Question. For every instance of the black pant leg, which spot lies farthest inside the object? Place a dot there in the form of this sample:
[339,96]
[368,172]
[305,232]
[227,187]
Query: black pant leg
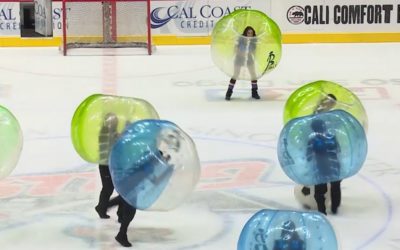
[319,195]
[115,201]
[336,195]
[108,187]
[127,214]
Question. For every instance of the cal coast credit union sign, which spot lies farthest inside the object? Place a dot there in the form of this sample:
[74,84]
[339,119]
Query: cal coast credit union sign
[9,19]
[195,17]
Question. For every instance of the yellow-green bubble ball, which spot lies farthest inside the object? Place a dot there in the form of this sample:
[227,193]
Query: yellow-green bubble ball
[246,57]
[317,96]
[11,142]
[99,120]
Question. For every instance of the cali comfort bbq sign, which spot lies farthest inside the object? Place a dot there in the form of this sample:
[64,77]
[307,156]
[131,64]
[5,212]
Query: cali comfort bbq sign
[336,16]
[344,14]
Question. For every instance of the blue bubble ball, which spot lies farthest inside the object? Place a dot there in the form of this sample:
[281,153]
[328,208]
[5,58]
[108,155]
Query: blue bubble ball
[154,165]
[322,148]
[282,229]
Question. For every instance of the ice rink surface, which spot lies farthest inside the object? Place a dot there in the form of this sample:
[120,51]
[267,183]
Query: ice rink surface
[48,202]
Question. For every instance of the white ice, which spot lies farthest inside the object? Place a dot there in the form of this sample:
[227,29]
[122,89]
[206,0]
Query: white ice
[48,202]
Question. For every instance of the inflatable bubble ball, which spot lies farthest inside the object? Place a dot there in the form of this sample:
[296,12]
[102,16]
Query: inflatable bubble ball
[322,148]
[100,119]
[322,96]
[11,142]
[281,230]
[246,44]
[154,165]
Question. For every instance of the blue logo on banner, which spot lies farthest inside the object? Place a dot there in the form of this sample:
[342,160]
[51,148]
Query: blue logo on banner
[156,20]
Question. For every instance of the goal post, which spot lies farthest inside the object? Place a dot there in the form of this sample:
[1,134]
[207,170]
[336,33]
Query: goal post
[106,24]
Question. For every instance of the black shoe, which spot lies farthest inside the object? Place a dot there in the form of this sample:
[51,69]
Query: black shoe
[334,210]
[123,240]
[102,214]
[254,94]
[228,94]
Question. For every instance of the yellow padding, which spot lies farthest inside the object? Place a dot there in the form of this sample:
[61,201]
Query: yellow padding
[29,42]
[204,40]
[294,38]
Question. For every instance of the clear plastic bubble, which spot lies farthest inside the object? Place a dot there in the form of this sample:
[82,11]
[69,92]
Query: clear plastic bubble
[245,56]
[281,230]
[99,120]
[11,142]
[322,96]
[322,148]
[154,165]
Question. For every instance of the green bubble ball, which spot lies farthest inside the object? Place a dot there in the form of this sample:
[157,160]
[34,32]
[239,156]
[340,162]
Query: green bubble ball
[11,142]
[90,127]
[246,57]
[317,96]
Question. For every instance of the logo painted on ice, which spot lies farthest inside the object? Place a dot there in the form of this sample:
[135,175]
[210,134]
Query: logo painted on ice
[295,14]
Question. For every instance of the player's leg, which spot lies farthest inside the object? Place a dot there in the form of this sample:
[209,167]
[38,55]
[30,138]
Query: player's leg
[127,214]
[254,86]
[319,195]
[106,191]
[336,196]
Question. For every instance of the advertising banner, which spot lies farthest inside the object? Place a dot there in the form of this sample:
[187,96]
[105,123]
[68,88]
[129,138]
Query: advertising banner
[337,16]
[9,19]
[299,20]
[195,17]
[43,17]
[57,18]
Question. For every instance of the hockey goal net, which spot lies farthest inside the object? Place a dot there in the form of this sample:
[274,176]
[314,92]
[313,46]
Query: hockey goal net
[106,24]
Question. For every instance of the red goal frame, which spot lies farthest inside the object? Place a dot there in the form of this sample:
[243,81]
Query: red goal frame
[113,28]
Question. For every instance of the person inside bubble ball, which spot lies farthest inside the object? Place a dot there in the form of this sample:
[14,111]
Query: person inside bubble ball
[153,173]
[168,145]
[126,212]
[245,49]
[107,137]
[289,238]
[326,104]
[323,148]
